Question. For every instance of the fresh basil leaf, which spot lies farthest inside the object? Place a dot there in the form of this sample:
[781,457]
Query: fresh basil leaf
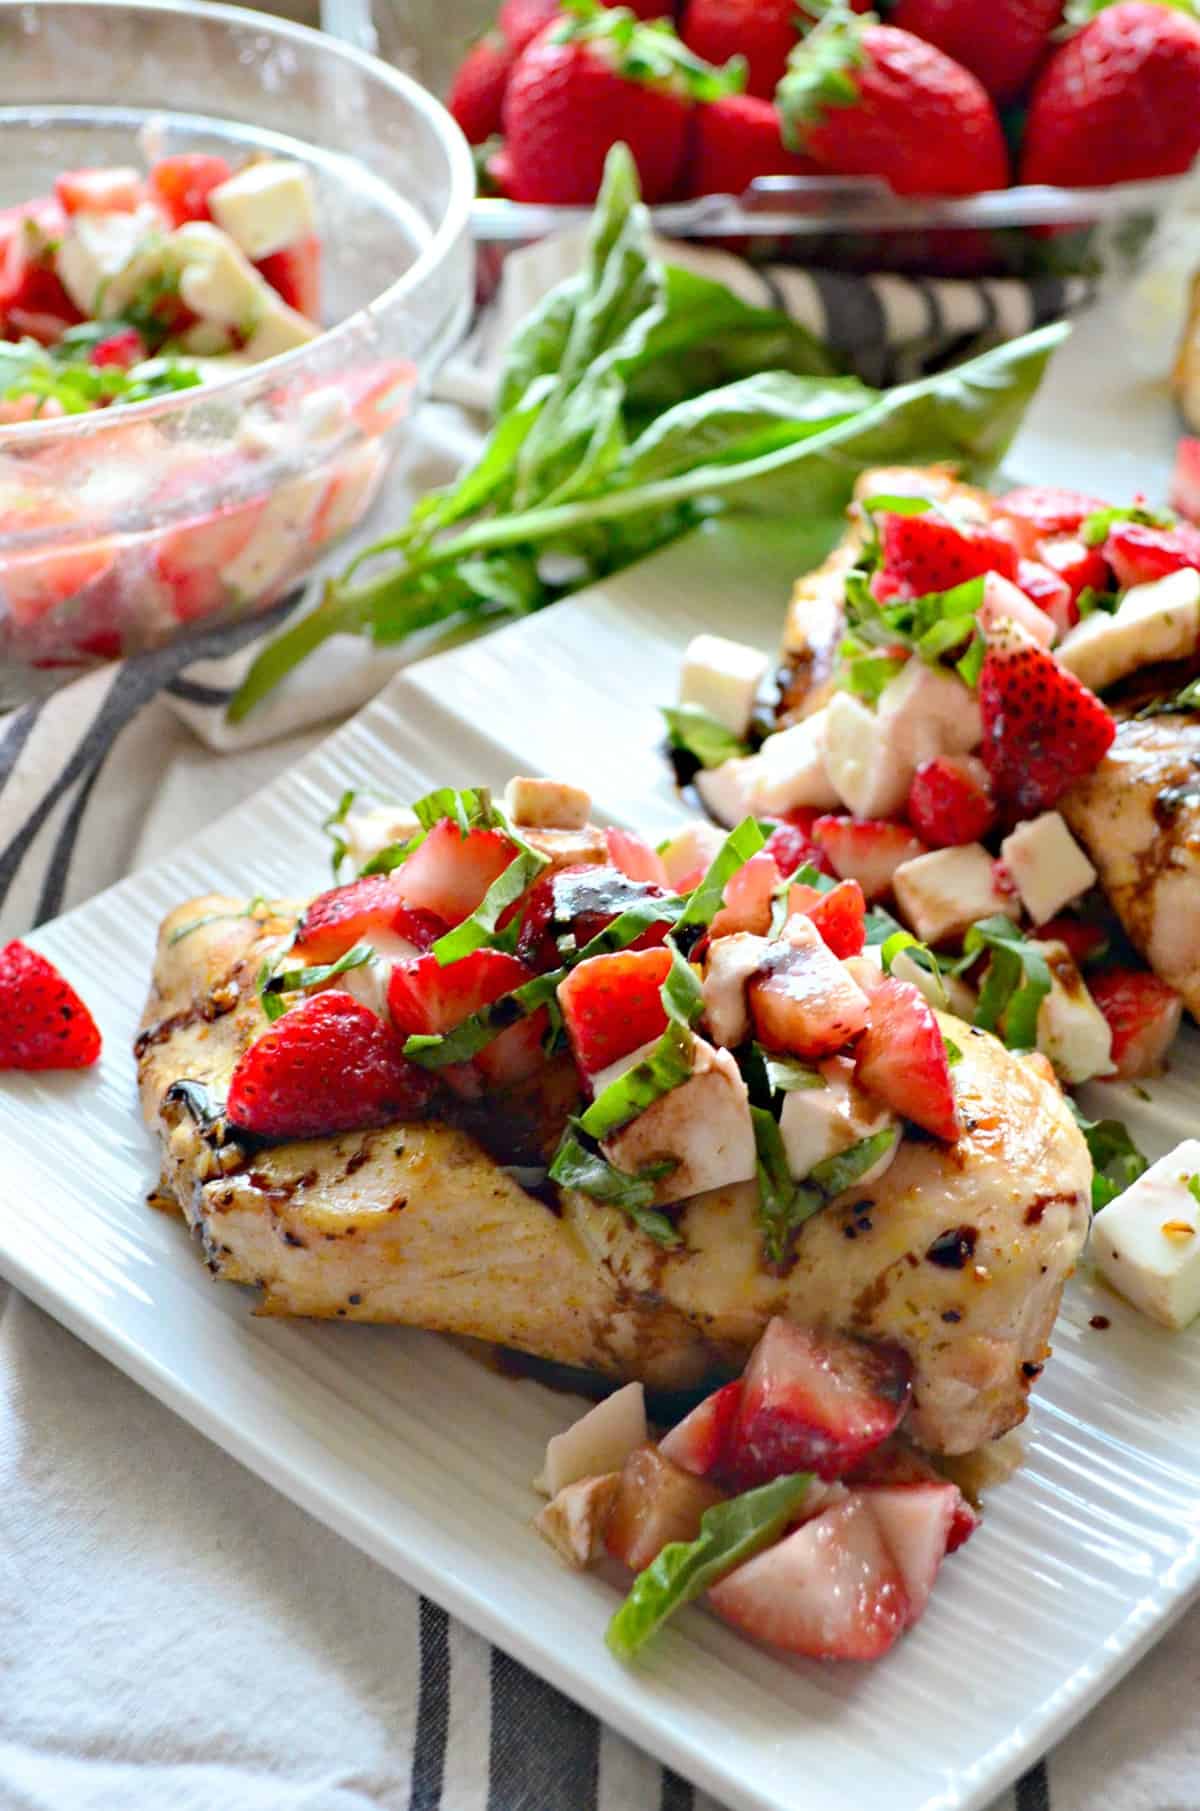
[903,941]
[665,1067]
[577,1166]
[834,1175]
[783,1204]
[880,925]
[296,980]
[953,1053]
[1016,983]
[788,1075]
[970,665]
[1090,600]
[1187,699]
[741,420]
[730,1533]
[705,900]
[477,930]
[332,823]
[628,927]
[435,1050]
[892,505]
[682,994]
[1116,1160]
[691,729]
[470,807]
[1096,528]
[197,924]
[866,675]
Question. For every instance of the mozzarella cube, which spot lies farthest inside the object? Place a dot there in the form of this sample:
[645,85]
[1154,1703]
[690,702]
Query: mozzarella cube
[576,1520]
[704,1125]
[927,711]
[1160,621]
[792,769]
[817,1123]
[692,851]
[1047,866]
[730,963]
[365,833]
[279,534]
[104,258]
[278,329]
[352,488]
[600,1441]
[369,981]
[727,791]
[868,775]
[265,207]
[1071,1029]
[1147,1241]
[547,804]
[1004,601]
[217,282]
[942,893]
[722,677]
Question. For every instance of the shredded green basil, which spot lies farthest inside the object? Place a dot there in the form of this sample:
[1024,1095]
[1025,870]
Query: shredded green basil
[578,1165]
[695,733]
[1116,1160]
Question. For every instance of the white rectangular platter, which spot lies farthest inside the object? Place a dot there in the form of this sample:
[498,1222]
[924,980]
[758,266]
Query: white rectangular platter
[408,1447]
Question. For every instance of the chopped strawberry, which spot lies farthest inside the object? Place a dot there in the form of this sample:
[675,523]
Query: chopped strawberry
[831,1590]
[700,1443]
[1139,554]
[927,553]
[181,185]
[791,843]
[1050,592]
[815,1401]
[1185,481]
[1081,568]
[33,301]
[449,873]
[748,895]
[99,191]
[425,996]
[336,920]
[950,801]
[38,582]
[896,1464]
[917,1524]
[1052,511]
[1085,941]
[43,1022]
[902,1060]
[328,1065]
[191,558]
[1042,729]
[839,915]
[1143,1015]
[583,900]
[613,1004]
[802,999]
[868,850]
[634,857]
[657,1503]
[123,349]
[295,275]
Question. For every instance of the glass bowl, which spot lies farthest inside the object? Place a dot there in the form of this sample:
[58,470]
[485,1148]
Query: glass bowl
[122,528]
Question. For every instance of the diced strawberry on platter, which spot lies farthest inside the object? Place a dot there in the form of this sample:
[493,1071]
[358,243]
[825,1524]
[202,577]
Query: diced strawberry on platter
[1081,568]
[657,1503]
[450,873]
[634,857]
[1139,554]
[181,185]
[926,552]
[1085,940]
[295,275]
[839,915]
[1050,592]
[700,1443]
[791,843]
[917,1523]
[1143,1014]
[950,801]
[427,996]
[115,191]
[1042,729]
[802,999]
[831,1590]
[1051,510]
[815,1400]
[898,1465]
[613,1004]
[43,1022]
[344,916]
[584,900]
[868,850]
[902,1060]
[1184,495]
[748,897]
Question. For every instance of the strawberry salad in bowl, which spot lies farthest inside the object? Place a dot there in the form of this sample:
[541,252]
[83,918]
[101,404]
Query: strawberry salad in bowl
[986,718]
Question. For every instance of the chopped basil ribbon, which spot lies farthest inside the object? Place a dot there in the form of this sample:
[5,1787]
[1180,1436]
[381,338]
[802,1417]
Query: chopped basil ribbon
[1193,1186]
[807,875]
[1095,529]
[1116,1160]
[730,1533]
[435,1050]
[1186,700]
[1017,980]
[833,1175]
[665,1067]
[682,994]
[198,924]
[332,824]
[577,1166]
[470,807]
[691,730]
[901,941]
[706,899]
[970,665]
[783,1204]
[272,986]
[866,674]
[787,1075]
[478,929]
[953,1053]
[898,506]
[932,625]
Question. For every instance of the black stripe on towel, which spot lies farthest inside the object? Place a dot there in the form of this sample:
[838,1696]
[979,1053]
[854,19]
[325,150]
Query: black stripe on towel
[1032,1791]
[677,1794]
[19,730]
[545,1751]
[433,1710]
[855,322]
[190,691]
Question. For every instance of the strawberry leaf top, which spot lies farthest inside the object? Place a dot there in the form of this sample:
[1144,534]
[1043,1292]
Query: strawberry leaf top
[649,52]
[821,74]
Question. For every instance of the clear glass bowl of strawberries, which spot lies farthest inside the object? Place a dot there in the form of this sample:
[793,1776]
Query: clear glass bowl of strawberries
[959,138]
[232,253]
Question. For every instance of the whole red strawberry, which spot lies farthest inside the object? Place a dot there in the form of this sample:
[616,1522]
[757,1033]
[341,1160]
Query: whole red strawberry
[328,1065]
[520,21]
[1119,102]
[868,100]
[43,1022]
[1000,41]
[596,78]
[477,92]
[1042,730]
[734,139]
[926,553]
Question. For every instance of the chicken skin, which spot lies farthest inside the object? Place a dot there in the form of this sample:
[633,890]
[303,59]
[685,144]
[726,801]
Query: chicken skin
[958,1253]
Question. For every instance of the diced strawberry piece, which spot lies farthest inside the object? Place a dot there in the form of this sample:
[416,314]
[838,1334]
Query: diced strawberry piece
[831,1590]
[1081,568]
[1139,554]
[99,191]
[902,1060]
[1085,941]
[1042,729]
[1184,494]
[791,844]
[33,584]
[815,1401]
[950,801]
[1143,1015]
[748,896]
[700,1443]
[181,185]
[43,1022]
[868,850]
[583,900]
[897,1464]
[839,915]
[613,1004]
[450,873]
[916,1521]
[802,999]
[191,559]
[340,918]
[657,1503]
[928,553]
[328,1065]
[32,299]
[1050,592]
[1051,510]
[425,996]
[295,275]
[516,1054]
[635,857]
[124,348]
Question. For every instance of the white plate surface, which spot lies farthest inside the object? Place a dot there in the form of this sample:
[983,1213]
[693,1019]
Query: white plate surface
[409,1448]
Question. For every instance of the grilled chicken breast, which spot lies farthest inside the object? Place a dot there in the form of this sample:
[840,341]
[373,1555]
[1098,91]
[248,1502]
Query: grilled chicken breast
[959,1252]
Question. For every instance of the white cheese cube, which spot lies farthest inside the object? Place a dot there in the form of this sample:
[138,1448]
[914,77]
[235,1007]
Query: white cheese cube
[791,769]
[279,534]
[704,1125]
[265,207]
[1147,1241]
[692,850]
[576,1520]
[1160,621]
[351,491]
[219,284]
[722,677]
[730,963]
[869,777]
[727,791]
[366,832]
[97,253]
[941,893]
[370,980]
[817,1123]
[547,804]
[1002,600]
[1047,866]
[927,711]
[598,1442]
[1071,1029]
[278,329]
